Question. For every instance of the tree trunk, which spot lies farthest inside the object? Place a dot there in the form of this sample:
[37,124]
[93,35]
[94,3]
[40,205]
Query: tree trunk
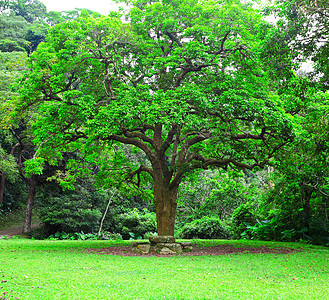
[29,206]
[165,200]
[2,186]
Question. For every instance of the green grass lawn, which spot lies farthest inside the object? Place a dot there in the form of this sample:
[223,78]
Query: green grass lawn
[60,270]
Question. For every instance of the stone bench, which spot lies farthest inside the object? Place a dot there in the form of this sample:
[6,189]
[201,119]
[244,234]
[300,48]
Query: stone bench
[161,245]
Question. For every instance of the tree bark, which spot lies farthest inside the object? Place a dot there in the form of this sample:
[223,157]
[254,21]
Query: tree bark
[165,200]
[2,186]
[32,182]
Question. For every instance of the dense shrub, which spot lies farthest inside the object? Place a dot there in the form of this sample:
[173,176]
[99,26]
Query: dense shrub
[204,228]
[68,213]
[266,230]
[242,217]
[280,227]
[135,223]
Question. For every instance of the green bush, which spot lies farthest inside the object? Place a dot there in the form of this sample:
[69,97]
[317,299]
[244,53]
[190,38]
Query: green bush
[280,227]
[242,217]
[68,213]
[204,228]
[266,230]
[135,223]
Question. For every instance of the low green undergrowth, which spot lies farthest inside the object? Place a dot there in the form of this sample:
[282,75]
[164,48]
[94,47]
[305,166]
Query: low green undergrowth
[61,270]
[85,236]
[204,228]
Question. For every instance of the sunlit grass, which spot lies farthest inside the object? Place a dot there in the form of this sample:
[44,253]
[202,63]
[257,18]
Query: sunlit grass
[60,270]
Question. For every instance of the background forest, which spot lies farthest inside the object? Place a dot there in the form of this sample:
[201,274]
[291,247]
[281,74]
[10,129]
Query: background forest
[262,169]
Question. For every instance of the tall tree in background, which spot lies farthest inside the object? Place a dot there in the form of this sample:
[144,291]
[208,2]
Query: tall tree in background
[301,35]
[304,25]
[22,29]
[23,25]
[12,34]
[30,10]
[180,83]
[12,64]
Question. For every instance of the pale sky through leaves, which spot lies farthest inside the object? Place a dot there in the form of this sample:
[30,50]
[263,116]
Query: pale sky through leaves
[101,6]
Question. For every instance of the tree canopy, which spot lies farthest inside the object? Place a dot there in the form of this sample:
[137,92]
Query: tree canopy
[181,83]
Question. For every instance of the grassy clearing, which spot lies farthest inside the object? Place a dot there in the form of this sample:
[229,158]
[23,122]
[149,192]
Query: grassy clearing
[59,270]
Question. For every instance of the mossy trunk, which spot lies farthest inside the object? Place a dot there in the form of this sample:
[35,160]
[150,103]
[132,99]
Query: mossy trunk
[165,200]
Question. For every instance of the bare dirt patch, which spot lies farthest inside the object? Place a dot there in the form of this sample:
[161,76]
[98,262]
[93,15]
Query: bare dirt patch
[197,251]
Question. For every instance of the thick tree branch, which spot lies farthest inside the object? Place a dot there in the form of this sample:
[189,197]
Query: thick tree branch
[135,142]
[141,169]
[245,136]
[168,140]
[139,135]
[185,148]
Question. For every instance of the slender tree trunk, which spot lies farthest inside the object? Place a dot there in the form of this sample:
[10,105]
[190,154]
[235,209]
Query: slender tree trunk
[29,206]
[2,186]
[165,199]
[104,215]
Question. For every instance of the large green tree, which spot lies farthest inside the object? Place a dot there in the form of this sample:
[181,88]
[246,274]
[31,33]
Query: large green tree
[180,84]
